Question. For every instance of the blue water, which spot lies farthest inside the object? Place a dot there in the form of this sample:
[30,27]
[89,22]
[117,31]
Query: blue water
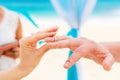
[45,8]
[40,7]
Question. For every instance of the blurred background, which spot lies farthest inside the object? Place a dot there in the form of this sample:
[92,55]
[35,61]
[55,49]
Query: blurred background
[102,25]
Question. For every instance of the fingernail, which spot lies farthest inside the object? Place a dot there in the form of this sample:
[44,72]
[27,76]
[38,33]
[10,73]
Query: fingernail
[107,66]
[67,64]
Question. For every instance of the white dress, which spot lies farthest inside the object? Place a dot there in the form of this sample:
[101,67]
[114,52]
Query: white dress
[8,28]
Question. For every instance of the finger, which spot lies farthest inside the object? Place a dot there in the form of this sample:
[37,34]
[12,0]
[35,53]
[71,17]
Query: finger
[42,50]
[108,62]
[1,52]
[43,35]
[78,53]
[32,40]
[6,47]
[59,44]
[56,38]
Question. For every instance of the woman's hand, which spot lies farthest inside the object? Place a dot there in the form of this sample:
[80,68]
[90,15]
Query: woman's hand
[30,55]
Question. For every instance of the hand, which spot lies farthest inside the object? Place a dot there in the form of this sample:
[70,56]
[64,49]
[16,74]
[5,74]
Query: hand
[29,54]
[12,53]
[10,50]
[82,47]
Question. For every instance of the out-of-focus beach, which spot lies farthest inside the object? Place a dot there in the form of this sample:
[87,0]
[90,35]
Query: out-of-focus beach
[51,66]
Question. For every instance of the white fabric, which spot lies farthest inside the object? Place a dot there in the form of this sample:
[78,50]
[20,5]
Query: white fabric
[6,63]
[8,27]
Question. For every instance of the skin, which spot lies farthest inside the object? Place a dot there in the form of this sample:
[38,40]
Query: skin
[30,56]
[101,53]
[1,14]
[19,30]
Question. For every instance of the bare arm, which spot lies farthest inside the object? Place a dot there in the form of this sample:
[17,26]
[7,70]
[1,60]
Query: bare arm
[15,73]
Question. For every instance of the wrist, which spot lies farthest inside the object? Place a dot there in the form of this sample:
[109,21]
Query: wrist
[23,70]
[16,73]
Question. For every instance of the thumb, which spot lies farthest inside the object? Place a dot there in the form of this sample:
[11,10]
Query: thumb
[108,62]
